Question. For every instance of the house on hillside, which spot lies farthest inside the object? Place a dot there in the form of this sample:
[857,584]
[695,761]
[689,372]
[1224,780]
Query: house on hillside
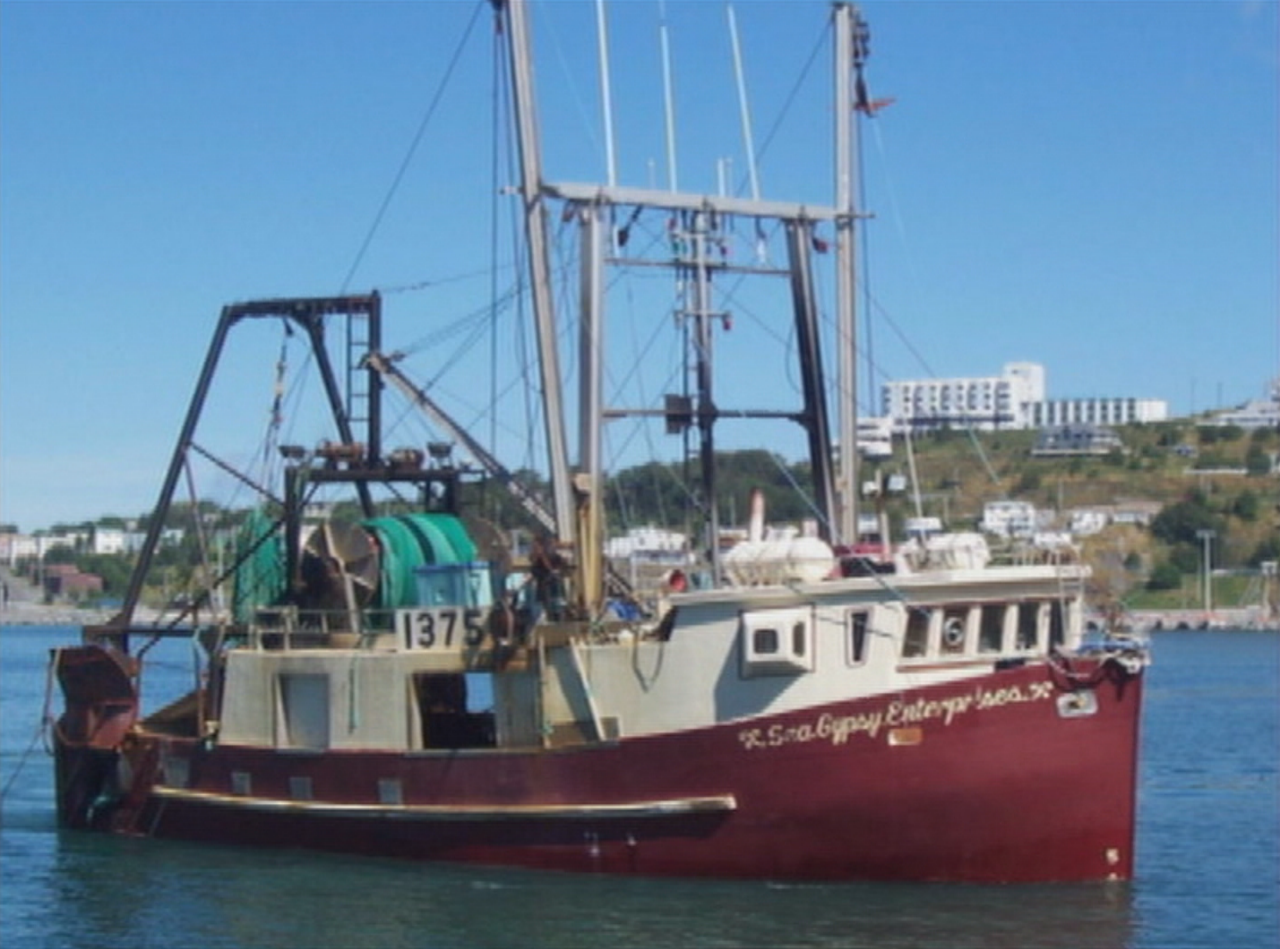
[1256,413]
[1083,439]
[1009,518]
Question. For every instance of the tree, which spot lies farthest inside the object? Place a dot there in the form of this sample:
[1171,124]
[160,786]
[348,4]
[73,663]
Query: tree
[1164,576]
[113,568]
[1220,433]
[1028,482]
[1257,461]
[1246,506]
[1179,523]
[1268,549]
[1185,558]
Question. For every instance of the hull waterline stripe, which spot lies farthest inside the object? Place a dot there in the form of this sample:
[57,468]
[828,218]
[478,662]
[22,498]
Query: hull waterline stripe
[674,807]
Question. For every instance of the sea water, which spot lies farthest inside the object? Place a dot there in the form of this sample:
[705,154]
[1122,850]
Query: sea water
[1208,857]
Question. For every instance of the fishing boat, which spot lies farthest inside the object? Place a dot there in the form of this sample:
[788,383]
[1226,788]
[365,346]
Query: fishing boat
[788,705]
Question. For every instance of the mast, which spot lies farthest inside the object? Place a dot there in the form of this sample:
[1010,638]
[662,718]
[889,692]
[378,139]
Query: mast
[706,408]
[606,96]
[799,237]
[590,480]
[535,216]
[668,106]
[744,111]
[846,528]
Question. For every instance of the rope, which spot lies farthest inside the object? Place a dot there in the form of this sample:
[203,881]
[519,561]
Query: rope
[42,729]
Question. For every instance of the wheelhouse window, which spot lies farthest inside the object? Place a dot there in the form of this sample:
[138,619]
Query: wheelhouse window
[915,642]
[991,629]
[858,623]
[1028,625]
[1057,623]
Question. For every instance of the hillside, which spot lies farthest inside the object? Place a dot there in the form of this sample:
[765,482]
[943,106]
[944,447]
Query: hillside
[1220,479]
[1217,479]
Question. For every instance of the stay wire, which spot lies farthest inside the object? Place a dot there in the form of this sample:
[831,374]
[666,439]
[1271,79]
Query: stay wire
[413,146]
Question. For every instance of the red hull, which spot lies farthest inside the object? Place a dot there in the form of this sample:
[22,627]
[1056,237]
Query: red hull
[989,783]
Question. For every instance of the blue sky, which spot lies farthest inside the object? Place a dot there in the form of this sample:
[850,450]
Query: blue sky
[1089,185]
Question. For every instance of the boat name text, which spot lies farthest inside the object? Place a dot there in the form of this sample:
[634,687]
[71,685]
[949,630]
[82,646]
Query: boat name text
[838,729]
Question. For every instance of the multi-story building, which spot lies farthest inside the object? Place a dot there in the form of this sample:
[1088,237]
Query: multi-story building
[1123,411]
[1013,399]
[985,402]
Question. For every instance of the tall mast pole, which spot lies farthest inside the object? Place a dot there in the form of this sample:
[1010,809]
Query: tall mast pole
[590,481]
[668,106]
[744,110]
[606,95]
[847,21]
[535,215]
[706,408]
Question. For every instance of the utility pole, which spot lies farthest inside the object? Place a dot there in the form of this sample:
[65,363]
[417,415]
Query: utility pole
[1206,538]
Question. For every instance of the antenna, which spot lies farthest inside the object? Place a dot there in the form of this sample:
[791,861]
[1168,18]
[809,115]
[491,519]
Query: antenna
[666,95]
[743,109]
[606,97]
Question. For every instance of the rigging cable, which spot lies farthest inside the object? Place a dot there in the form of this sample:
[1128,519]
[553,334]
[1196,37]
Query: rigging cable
[902,337]
[413,147]
[496,103]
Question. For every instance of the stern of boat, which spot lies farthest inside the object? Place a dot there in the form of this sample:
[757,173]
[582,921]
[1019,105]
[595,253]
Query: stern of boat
[100,710]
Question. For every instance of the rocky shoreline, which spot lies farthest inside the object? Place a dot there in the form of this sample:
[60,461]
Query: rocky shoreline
[39,614]
[22,606]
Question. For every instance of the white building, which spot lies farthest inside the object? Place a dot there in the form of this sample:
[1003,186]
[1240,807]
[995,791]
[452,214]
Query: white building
[110,540]
[1256,413]
[1013,399]
[15,547]
[1009,518]
[875,438]
[650,544]
[984,403]
[1085,522]
[1124,411]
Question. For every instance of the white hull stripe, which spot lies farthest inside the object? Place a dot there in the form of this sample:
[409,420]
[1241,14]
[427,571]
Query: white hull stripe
[674,807]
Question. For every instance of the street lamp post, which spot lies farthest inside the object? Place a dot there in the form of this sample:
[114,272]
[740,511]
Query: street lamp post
[1206,537]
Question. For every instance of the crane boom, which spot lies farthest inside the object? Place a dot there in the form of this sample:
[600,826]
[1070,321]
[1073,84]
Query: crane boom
[536,509]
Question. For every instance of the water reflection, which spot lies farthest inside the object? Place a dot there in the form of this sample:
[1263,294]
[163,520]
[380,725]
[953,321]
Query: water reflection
[143,893]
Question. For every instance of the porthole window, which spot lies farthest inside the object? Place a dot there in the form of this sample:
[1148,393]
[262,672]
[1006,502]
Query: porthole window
[764,642]
[953,631]
[777,642]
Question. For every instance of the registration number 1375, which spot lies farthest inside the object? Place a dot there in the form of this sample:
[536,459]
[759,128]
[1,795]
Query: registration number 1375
[443,628]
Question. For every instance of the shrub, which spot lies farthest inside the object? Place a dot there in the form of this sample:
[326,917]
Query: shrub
[1164,576]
